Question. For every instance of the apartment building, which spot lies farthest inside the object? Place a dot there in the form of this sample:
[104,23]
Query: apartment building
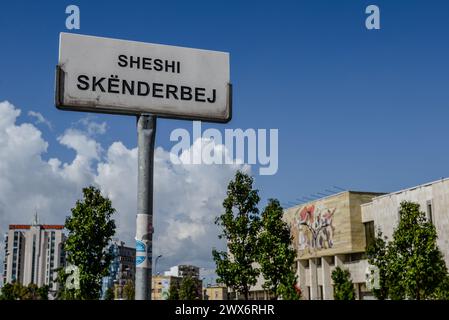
[33,254]
[122,269]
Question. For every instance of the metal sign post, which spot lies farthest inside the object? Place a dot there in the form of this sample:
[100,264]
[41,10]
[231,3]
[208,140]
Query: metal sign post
[146,80]
[146,133]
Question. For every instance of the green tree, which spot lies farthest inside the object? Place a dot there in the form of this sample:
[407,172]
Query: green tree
[188,290]
[416,266]
[90,230]
[33,292]
[276,256]
[410,266]
[17,291]
[240,226]
[29,292]
[129,291]
[109,294]
[343,286]
[7,292]
[442,291]
[377,253]
[64,293]
[42,292]
[287,288]
[173,290]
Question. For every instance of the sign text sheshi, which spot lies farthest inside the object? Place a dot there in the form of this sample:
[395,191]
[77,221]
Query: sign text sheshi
[127,77]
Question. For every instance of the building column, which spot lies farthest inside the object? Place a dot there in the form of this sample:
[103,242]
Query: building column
[314,294]
[339,260]
[301,273]
[326,276]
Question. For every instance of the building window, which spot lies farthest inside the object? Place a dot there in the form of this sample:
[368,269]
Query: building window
[321,292]
[355,257]
[369,233]
[33,261]
[318,262]
[429,211]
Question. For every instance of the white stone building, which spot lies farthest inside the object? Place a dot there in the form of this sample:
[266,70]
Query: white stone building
[334,231]
[383,211]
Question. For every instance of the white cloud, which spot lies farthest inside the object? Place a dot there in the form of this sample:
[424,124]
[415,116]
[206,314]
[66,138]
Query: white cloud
[39,118]
[187,198]
[92,127]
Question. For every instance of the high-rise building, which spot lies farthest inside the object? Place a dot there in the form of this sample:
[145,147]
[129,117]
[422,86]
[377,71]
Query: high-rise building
[33,253]
[122,269]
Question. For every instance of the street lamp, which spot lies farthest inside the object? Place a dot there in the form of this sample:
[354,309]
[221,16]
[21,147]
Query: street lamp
[155,263]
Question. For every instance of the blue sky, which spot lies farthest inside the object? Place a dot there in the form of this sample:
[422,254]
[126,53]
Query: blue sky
[363,110]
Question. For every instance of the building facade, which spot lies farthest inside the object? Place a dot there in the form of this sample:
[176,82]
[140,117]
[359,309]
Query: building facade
[33,254]
[160,289]
[327,233]
[183,270]
[335,231]
[215,292]
[383,211]
[122,269]
[160,286]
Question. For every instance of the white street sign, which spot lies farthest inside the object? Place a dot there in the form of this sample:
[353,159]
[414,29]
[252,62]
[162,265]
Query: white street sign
[126,77]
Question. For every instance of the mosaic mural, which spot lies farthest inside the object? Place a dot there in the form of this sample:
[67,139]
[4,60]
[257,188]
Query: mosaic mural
[313,227]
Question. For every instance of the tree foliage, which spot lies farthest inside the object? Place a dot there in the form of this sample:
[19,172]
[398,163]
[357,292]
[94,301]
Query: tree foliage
[240,227]
[17,291]
[109,294]
[377,254]
[173,290]
[129,291]
[276,256]
[7,292]
[411,266]
[90,229]
[188,289]
[343,286]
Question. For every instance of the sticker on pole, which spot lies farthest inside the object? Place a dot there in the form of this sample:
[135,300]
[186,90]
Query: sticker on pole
[143,258]
[106,75]
[140,260]
[140,246]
